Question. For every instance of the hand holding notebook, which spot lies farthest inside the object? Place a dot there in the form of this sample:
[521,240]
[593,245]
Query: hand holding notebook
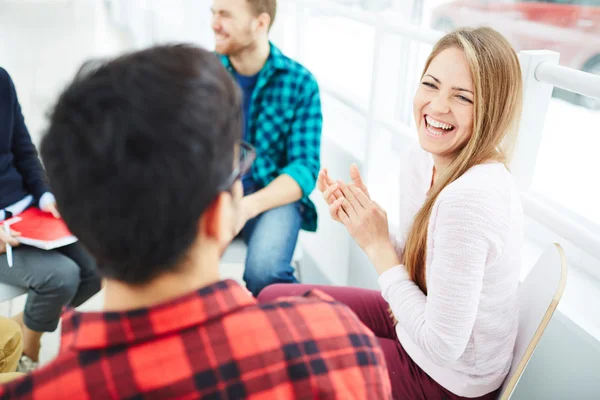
[8,241]
[51,209]
[41,229]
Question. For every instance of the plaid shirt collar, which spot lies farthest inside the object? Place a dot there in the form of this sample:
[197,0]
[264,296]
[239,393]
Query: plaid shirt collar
[276,61]
[97,330]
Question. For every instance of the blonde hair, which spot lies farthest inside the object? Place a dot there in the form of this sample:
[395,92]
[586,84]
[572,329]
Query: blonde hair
[498,94]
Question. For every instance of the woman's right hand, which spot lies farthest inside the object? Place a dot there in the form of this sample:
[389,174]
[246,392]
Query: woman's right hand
[332,193]
[6,238]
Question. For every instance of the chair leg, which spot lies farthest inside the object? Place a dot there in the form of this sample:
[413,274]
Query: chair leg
[297,268]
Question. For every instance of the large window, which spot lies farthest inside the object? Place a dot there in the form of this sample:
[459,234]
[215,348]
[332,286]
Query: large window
[566,166]
[566,162]
[339,52]
[340,44]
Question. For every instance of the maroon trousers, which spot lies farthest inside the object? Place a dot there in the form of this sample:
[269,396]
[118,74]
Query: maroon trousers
[407,379]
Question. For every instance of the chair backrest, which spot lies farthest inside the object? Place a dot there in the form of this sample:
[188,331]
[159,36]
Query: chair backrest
[539,295]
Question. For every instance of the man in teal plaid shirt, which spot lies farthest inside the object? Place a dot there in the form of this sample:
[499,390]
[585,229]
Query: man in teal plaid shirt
[283,121]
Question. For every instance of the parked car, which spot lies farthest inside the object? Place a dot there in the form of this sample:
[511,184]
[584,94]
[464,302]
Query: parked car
[570,27]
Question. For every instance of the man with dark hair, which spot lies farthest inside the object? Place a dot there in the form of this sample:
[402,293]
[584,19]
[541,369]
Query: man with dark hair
[283,120]
[144,156]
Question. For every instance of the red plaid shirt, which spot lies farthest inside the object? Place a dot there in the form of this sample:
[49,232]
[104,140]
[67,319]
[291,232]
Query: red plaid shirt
[215,343]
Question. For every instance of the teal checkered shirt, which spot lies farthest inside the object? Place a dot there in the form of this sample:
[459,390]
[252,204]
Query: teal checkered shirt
[284,124]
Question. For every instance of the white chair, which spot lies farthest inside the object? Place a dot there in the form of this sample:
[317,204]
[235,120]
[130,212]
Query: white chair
[236,254]
[539,295]
[9,292]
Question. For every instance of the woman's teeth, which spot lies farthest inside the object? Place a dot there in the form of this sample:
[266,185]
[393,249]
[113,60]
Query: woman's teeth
[437,128]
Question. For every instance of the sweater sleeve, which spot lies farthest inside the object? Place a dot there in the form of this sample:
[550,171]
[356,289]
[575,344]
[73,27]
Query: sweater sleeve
[468,233]
[25,154]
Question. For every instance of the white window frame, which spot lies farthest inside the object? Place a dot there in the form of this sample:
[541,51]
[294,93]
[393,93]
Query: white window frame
[541,73]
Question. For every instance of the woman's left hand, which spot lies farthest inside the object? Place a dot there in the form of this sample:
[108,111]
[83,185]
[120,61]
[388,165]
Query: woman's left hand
[365,220]
[51,209]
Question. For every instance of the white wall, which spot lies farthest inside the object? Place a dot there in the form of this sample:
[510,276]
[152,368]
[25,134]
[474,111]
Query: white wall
[330,246]
[183,20]
[566,365]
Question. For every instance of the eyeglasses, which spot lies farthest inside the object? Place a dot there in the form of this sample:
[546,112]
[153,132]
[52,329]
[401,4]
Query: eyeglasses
[247,156]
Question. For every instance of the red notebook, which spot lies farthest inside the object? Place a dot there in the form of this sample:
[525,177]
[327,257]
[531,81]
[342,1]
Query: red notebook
[42,230]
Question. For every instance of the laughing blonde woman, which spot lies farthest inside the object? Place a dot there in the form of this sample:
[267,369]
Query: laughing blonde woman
[450,275]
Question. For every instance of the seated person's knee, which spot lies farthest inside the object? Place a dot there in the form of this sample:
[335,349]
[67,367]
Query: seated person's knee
[261,270]
[63,279]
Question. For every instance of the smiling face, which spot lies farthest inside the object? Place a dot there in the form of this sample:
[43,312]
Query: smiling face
[235,26]
[443,105]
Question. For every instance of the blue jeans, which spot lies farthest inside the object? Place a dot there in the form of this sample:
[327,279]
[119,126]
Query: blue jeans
[271,238]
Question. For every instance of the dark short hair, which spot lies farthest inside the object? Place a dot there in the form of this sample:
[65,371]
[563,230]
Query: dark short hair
[136,151]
